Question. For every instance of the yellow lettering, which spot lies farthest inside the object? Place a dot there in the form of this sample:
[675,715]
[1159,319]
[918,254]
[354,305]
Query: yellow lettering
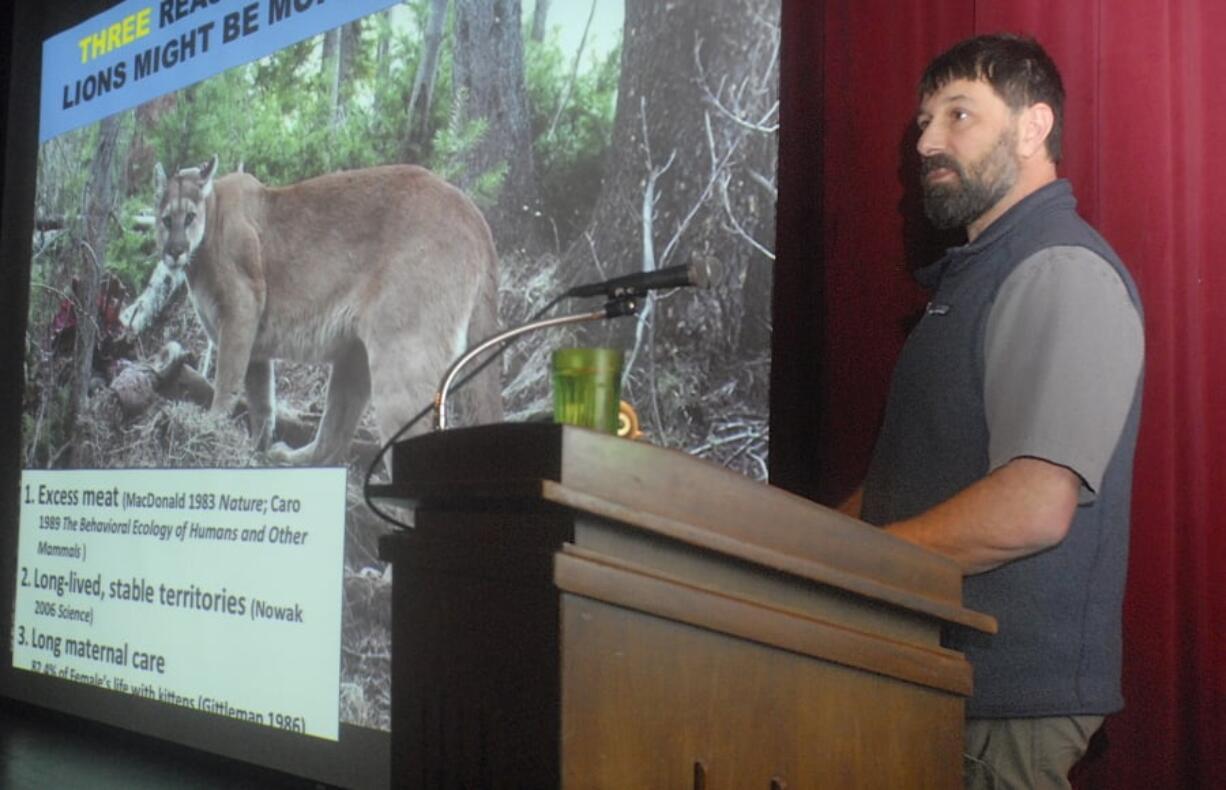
[142,22]
[97,45]
[122,33]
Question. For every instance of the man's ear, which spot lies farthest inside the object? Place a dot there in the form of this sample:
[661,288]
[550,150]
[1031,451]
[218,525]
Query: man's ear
[1036,122]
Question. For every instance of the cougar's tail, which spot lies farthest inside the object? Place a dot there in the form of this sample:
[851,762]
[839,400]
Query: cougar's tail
[484,393]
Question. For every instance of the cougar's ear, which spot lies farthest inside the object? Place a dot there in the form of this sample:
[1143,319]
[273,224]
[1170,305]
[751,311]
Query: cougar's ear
[207,171]
[159,181]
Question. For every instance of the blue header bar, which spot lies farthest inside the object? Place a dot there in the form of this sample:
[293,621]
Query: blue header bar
[143,49]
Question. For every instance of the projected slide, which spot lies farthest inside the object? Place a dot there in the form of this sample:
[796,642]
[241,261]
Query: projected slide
[218,593]
[263,230]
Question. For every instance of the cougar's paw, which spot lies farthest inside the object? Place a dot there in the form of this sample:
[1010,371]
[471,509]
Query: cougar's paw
[284,455]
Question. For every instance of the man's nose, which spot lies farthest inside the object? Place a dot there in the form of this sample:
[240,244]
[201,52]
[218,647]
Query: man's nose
[930,142]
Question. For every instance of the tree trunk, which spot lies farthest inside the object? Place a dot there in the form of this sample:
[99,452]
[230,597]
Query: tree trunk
[99,202]
[142,154]
[330,65]
[540,19]
[421,98]
[690,177]
[383,47]
[184,144]
[339,58]
[489,85]
[328,53]
[351,44]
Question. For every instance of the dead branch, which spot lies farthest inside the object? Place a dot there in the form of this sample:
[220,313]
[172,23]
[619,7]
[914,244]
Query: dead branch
[767,121]
[747,116]
[735,225]
[764,182]
[574,73]
[591,243]
[159,293]
[719,163]
[647,216]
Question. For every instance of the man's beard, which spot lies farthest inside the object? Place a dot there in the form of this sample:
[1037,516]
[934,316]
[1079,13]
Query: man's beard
[978,187]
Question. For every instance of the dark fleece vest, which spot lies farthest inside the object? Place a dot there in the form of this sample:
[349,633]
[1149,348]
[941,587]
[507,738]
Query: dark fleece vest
[1058,648]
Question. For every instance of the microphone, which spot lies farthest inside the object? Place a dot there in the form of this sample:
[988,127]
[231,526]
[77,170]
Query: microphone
[698,274]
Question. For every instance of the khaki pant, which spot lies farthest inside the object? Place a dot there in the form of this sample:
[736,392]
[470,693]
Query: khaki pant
[1025,754]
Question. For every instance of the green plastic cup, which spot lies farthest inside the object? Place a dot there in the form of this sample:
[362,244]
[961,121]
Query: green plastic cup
[587,387]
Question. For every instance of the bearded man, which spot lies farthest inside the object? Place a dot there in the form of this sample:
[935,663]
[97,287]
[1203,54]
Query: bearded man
[1009,431]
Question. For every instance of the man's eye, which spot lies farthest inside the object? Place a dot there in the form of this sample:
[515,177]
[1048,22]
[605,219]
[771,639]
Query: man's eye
[959,115]
[189,219]
[166,221]
[922,123]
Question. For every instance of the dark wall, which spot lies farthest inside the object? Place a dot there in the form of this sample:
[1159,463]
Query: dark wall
[6,65]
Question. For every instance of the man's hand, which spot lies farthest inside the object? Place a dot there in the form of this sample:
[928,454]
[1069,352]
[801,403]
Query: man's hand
[853,504]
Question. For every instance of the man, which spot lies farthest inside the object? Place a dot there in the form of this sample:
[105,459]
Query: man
[1012,416]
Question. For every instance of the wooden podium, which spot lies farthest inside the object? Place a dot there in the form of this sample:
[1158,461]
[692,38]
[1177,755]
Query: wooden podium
[582,611]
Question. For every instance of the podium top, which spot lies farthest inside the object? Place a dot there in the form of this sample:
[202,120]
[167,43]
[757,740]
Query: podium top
[680,497]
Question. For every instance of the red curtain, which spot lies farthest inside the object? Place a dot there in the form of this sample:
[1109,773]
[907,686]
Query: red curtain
[1145,149]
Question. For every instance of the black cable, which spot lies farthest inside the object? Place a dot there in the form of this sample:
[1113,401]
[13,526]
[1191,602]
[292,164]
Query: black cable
[370,472]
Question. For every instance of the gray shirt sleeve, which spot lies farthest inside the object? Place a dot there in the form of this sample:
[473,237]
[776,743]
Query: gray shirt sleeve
[1062,358]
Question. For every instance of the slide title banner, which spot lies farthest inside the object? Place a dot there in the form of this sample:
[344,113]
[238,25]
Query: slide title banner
[214,590]
[143,49]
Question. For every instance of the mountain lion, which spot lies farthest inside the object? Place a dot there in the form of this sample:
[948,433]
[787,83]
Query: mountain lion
[386,273]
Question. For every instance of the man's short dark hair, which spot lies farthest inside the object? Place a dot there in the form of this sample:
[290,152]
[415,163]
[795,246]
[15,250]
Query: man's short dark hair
[1017,68]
